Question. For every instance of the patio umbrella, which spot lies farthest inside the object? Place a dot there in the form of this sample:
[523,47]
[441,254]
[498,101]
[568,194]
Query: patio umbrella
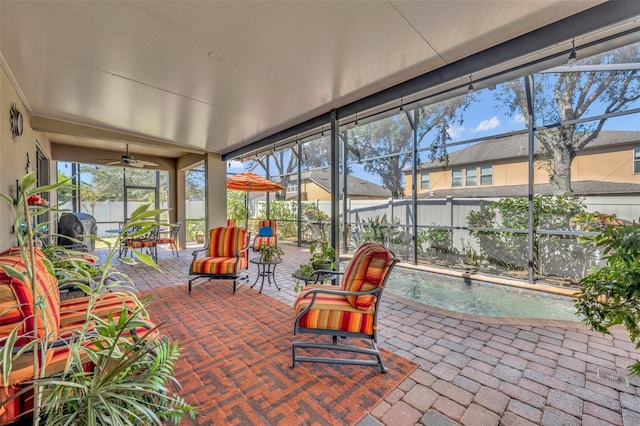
[251,182]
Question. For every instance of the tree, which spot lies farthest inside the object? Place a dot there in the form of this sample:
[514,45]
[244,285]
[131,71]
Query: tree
[382,139]
[566,96]
[65,191]
[194,180]
[90,197]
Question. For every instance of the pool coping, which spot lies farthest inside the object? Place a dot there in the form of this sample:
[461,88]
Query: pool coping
[485,319]
[494,280]
[526,321]
[547,288]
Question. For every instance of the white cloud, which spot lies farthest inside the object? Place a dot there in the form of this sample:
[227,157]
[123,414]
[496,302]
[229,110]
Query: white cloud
[518,118]
[455,131]
[489,124]
[235,164]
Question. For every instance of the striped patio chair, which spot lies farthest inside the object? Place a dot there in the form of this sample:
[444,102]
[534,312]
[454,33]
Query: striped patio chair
[348,310]
[226,256]
[267,234]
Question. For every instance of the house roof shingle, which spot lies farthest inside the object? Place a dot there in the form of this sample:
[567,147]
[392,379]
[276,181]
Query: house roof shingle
[515,147]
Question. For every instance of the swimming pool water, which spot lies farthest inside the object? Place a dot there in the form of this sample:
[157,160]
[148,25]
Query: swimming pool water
[477,297]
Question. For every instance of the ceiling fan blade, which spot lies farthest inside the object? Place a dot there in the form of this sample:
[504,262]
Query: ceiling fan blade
[136,164]
[145,163]
[114,163]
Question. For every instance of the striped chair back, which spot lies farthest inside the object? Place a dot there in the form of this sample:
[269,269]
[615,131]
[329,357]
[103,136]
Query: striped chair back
[226,241]
[17,298]
[270,223]
[367,270]
[231,223]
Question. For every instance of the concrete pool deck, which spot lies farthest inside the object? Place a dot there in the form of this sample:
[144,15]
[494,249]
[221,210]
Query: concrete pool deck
[474,370]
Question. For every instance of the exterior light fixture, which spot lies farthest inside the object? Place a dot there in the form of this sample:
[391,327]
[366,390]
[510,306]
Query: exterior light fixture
[470,88]
[401,106]
[573,56]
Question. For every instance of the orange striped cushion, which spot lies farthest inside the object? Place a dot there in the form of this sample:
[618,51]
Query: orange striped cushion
[17,298]
[217,265]
[267,240]
[231,223]
[366,271]
[333,312]
[226,242]
[73,311]
[140,243]
[268,222]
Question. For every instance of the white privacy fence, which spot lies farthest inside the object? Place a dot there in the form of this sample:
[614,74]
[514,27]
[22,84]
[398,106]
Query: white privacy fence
[430,212]
[454,211]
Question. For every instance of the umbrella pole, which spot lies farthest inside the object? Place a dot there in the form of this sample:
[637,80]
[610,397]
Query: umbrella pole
[246,209]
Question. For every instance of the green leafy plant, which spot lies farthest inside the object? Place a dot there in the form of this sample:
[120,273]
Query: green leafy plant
[195,228]
[382,231]
[323,255]
[510,248]
[610,295]
[128,384]
[270,252]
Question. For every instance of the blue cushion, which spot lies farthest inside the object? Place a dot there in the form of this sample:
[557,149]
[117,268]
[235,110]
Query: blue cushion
[265,231]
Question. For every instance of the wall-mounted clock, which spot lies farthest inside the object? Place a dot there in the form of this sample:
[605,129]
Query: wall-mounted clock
[15,120]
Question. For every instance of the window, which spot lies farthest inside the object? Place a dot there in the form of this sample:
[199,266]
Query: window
[636,160]
[486,175]
[456,177]
[471,174]
[425,180]
[292,187]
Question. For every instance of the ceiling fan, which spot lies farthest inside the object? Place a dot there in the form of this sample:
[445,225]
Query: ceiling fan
[130,161]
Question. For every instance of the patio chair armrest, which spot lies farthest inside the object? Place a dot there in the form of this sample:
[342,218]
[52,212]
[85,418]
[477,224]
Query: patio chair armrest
[332,290]
[244,249]
[195,252]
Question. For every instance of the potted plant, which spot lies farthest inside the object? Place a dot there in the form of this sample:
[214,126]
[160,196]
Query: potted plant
[196,231]
[270,253]
[323,256]
[131,379]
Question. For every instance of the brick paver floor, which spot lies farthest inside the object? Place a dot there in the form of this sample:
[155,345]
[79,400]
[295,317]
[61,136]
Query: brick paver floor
[476,370]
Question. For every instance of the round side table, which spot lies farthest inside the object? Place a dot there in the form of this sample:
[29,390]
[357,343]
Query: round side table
[266,269]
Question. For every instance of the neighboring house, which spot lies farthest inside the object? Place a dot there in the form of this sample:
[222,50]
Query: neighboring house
[316,185]
[610,164]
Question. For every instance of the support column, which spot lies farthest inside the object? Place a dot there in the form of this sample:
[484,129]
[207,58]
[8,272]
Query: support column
[179,213]
[335,179]
[215,191]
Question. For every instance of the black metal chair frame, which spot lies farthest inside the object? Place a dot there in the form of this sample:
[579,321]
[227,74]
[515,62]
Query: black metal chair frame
[238,277]
[173,237]
[334,345]
[152,236]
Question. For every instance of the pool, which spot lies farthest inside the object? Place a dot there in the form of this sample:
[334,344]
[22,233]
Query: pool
[477,297]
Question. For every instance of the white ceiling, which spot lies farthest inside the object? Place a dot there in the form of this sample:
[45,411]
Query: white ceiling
[213,76]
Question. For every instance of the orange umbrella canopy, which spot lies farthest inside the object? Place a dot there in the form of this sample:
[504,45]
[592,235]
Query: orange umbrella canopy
[251,182]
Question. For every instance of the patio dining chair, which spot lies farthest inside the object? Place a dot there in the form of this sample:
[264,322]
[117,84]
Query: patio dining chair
[172,238]
[147,242]
[225,257]
[347,311]
[267,234]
